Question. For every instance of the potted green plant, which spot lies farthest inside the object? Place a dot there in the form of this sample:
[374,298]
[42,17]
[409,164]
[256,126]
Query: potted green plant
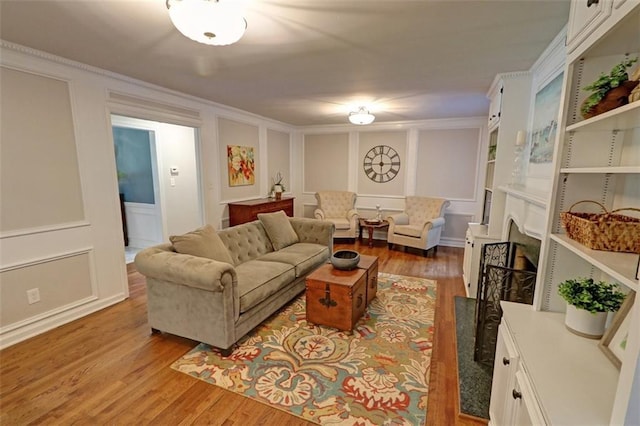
[610,91]
[588,303]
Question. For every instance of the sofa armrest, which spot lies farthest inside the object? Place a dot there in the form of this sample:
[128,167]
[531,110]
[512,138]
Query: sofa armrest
[160,263]
[352,215]
[437,222]
[318,214]
[313,230]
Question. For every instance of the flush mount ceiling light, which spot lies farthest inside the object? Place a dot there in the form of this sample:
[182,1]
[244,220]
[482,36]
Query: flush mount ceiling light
[207,21]
[361,117]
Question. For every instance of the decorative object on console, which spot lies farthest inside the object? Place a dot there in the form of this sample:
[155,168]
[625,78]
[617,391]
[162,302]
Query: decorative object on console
[607,231]
[609,91]
[588,303]
[207,21]
[277,188]
[545,121]
[361,117]
[345,260]
[381,164]
[614,341]
[241,165]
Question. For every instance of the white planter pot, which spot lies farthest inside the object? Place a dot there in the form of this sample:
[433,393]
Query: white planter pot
[584,323]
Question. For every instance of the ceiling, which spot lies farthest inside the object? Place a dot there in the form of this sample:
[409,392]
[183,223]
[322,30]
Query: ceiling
[305,62]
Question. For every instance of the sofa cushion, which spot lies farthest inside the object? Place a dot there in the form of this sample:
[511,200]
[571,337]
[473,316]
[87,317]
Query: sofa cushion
[340,223]
[304,256]
[409,230]
[257,280]
[203,242]
[278,229]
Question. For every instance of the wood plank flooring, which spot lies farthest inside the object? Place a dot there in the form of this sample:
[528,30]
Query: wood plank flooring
[107,368]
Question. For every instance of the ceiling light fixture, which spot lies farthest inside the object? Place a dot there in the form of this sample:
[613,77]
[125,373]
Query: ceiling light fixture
[361,117]
[207,21]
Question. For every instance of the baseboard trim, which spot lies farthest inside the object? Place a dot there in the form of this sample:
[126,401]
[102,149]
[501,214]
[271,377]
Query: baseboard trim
[32,329]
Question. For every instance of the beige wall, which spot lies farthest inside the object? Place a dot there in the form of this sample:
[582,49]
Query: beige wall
[279,157]
[60,282]
[326,162]
[448,163]
[232,132]
[39,155]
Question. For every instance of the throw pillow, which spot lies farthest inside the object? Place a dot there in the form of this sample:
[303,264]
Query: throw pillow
[203,242]
[278,229]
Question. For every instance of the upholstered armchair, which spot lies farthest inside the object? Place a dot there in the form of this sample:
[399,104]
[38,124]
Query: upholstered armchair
[338,207]
[420,225]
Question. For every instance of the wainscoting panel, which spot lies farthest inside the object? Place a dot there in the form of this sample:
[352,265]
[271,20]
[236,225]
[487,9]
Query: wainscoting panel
[455,228]
[62,282]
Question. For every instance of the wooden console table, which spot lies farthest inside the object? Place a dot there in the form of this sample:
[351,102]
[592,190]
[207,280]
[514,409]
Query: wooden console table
[247,211]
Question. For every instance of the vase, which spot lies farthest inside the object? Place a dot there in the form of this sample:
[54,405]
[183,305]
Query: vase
[584,323]
[277,190]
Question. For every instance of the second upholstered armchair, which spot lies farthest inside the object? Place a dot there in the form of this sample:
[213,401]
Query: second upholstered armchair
[338,207]
[420,225]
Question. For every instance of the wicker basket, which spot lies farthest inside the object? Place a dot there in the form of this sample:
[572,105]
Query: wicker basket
[603,231]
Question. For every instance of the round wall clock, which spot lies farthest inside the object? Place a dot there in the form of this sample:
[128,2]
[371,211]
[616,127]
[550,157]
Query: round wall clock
[381,163]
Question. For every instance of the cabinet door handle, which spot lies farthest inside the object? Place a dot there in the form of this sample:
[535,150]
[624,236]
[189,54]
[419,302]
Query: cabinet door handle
[505,361]
[592,2]
[516,394]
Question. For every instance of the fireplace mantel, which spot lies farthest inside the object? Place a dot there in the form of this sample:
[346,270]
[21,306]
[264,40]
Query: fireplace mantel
[527,209]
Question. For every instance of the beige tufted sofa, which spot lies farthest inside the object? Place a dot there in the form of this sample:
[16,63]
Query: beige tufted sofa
[219,301]
[338,207]
[420,225]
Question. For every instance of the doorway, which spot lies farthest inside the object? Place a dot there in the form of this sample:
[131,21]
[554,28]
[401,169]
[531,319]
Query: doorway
[158,180]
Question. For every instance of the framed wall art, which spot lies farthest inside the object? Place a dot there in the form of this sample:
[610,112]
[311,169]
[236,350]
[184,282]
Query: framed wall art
[614,341]
[241,165]
[545,121]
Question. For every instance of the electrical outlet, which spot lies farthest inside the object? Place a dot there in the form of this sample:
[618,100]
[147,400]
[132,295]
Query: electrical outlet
[33,295]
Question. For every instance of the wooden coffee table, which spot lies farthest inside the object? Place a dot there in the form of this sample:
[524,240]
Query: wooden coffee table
[371,226]
[338,298]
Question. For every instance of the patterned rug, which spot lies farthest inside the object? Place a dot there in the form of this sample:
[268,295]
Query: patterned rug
[378,375]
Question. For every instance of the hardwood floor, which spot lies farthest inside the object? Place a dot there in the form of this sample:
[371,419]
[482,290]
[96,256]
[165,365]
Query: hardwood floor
[107,368]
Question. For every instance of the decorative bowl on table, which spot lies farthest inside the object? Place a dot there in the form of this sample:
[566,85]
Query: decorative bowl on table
[345,260]
[372,221]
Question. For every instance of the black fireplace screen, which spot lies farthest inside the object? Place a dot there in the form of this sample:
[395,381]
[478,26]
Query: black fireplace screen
[498,281]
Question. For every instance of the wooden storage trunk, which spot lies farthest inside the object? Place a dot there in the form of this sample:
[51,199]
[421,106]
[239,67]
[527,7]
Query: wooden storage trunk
[336,298]
[370,264]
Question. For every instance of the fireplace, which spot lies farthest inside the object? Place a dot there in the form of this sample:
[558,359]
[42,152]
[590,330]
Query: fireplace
[508,272]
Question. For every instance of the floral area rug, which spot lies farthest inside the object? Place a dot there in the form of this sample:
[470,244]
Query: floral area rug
[377,375]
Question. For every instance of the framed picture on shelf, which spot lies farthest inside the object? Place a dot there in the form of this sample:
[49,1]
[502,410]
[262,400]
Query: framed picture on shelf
[614,341]
[542,136]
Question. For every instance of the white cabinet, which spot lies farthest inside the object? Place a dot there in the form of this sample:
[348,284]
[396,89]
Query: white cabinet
[584,18]
[511,91]
[495,105]
[553,377]
[504,373]
[526,410]
[476,236]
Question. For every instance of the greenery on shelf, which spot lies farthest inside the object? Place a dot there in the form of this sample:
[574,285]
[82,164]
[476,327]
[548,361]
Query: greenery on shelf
[604,83]
[585,293]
